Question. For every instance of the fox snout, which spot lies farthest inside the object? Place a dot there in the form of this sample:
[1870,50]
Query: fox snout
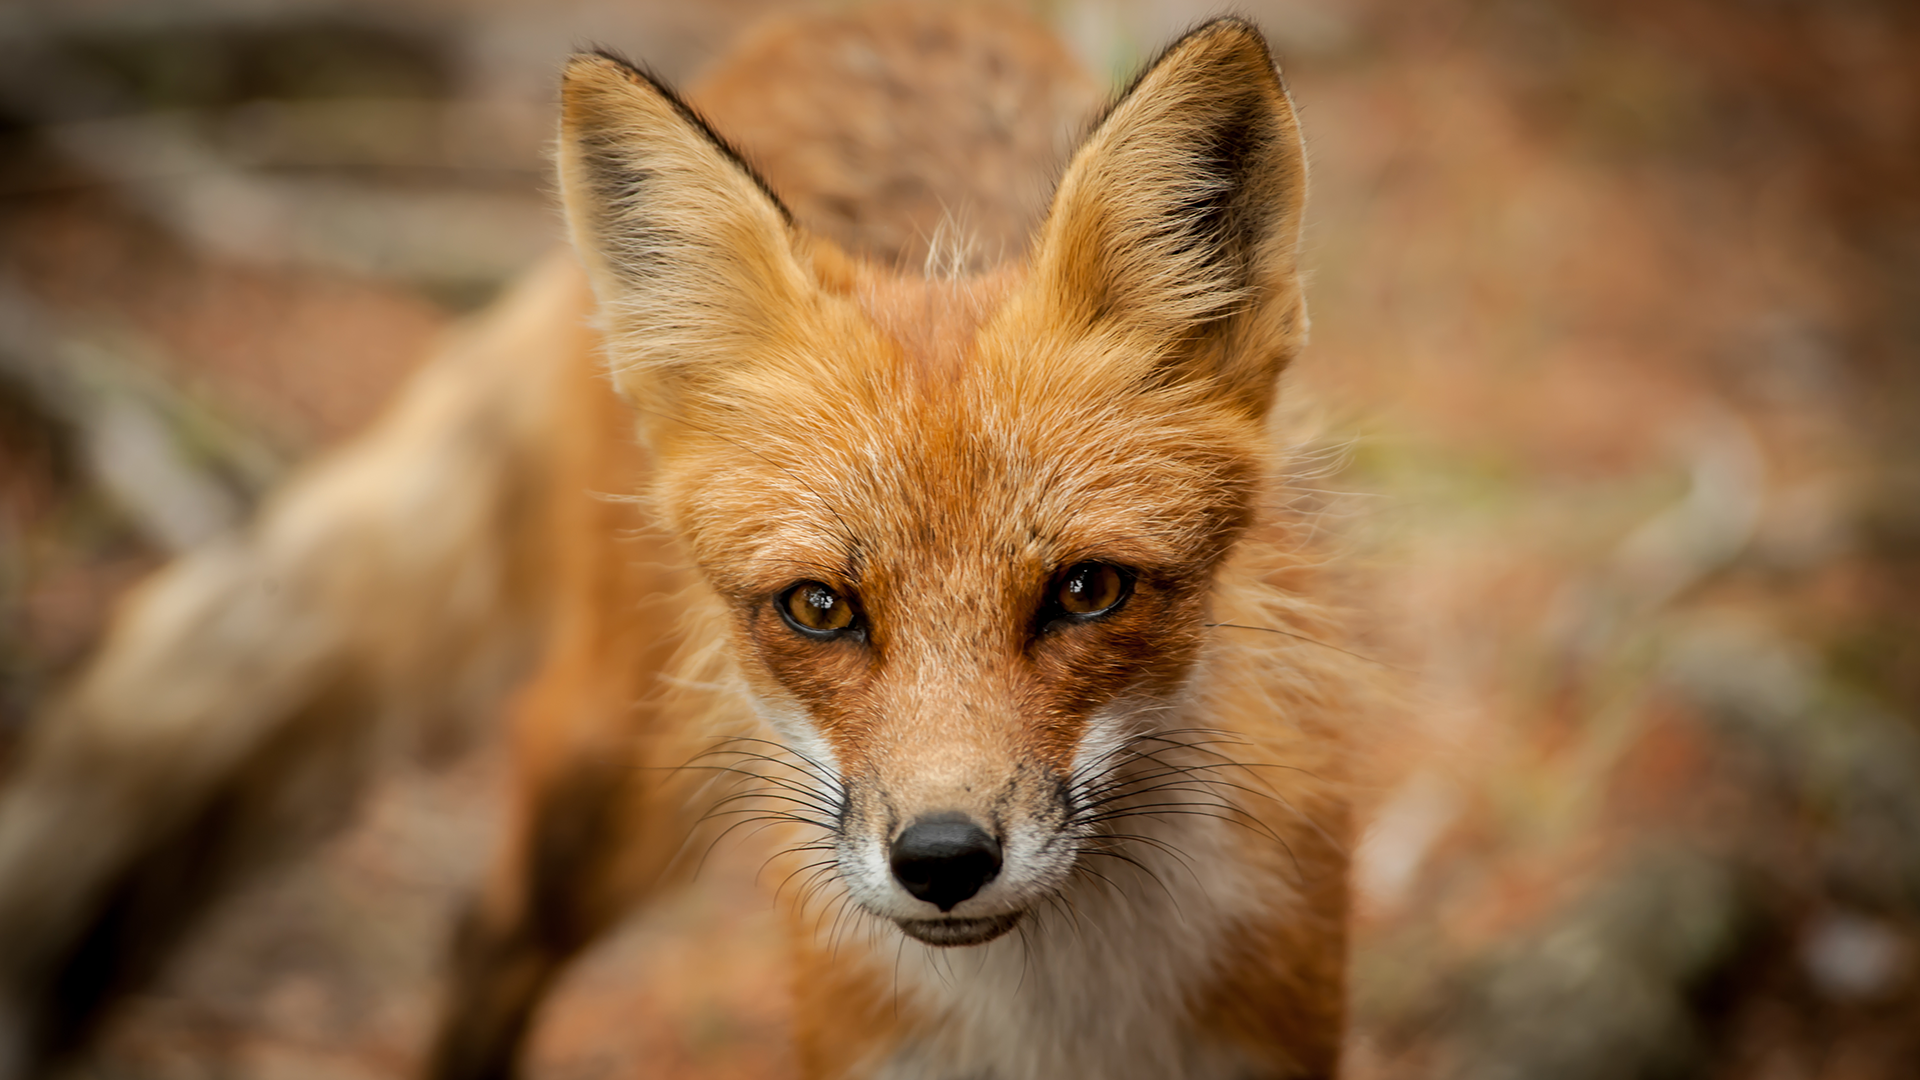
[944,859]
[953,863]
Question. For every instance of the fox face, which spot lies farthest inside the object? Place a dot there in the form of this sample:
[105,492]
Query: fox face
[965,530]
[950,597]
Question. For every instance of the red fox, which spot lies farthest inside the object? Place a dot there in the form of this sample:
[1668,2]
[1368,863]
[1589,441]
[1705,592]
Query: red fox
[972,569]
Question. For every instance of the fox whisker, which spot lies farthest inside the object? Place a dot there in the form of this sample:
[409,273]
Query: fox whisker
[1137,864]
[814,767]
[1301,637]
[816,867]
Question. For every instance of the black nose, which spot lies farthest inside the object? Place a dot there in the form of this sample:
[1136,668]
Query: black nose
[944,858]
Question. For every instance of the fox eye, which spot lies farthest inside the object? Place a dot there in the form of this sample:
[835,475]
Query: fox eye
[815,610]
[1091,588]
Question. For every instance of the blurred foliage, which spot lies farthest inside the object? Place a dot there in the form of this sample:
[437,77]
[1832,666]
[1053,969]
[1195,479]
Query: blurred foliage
[213,66]
[1618,302]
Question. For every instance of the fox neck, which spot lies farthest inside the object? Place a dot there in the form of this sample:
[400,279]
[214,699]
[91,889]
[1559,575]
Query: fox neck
[1098,982]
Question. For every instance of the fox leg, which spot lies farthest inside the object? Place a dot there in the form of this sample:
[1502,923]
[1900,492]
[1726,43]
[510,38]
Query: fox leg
[598,820]
[139,889]
[594,738]
[565,879]
[248,693]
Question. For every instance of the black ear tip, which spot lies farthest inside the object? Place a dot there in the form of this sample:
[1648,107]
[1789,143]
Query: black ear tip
[604,61]
[591,102]
[610,55]
[1238,24]
[1235,31]
[1229,42]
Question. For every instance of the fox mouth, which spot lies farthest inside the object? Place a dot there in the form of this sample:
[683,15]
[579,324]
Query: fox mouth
[956,932]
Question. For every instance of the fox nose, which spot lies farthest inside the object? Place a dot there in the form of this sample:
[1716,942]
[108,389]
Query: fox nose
[944,858]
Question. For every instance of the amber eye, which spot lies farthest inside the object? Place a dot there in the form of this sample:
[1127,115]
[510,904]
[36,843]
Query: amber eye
[815,609]
[1091,588]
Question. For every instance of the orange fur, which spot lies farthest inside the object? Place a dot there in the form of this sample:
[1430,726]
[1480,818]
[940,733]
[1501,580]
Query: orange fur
[937,451]
[829,390]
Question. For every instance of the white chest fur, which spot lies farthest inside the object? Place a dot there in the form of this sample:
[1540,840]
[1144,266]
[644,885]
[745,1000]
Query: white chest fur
[1096,985]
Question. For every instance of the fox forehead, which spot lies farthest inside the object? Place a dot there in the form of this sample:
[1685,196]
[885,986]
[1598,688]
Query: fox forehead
[938,431]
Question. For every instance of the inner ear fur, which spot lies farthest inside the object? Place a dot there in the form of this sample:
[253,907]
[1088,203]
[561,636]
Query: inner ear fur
[1175,229]
[691,256]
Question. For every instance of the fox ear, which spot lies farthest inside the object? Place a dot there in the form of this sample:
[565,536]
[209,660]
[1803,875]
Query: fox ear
[690,255]
[1174,231]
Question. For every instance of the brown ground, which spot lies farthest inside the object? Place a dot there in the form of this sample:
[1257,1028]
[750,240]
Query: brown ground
[1614,312]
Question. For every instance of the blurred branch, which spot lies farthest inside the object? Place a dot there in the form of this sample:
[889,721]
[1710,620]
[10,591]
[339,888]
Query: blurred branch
[171,164]
[181,473]
[163,167]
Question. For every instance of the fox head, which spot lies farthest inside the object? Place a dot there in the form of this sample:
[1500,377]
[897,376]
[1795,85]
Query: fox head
[966,530]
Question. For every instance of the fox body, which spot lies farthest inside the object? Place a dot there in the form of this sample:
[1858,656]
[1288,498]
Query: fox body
[958,562]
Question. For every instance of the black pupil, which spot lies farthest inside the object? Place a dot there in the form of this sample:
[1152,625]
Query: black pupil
[1090,589]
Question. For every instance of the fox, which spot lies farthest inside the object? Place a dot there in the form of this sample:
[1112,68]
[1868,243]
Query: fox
[849,482]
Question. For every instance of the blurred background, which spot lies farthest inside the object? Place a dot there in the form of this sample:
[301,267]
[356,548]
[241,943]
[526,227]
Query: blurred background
[1616,313]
